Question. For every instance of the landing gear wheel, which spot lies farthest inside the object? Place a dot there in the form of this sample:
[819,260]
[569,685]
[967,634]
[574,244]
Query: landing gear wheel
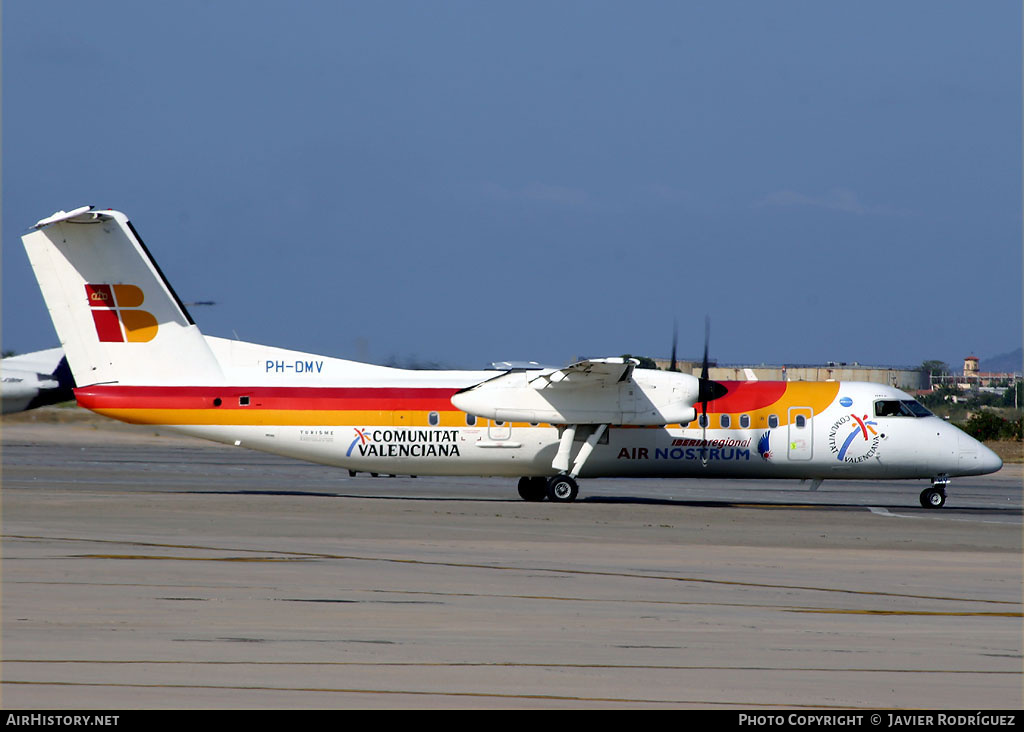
[562,489]
[933,498]
[533,489]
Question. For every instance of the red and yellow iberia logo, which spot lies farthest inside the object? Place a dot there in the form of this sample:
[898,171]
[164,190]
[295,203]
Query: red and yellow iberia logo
[116,314]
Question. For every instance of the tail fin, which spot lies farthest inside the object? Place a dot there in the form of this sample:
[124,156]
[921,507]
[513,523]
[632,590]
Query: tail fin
[116,315]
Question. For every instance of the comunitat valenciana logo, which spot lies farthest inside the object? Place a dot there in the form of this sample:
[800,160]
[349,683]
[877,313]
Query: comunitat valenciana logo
[116,313]
[853,439]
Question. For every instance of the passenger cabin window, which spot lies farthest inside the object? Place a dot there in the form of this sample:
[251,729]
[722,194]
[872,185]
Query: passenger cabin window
[725,421]
[434,418]
[702,420]
[900,408]
[773,420]
[745,421]
[471,420]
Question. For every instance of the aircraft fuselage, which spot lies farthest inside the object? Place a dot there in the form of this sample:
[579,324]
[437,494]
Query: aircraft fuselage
[831,430]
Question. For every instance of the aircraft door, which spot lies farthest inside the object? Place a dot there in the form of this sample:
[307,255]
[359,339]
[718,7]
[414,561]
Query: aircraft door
[801,442]
[498,430]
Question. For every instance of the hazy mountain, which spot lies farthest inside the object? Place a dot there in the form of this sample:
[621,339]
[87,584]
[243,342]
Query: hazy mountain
[1004,362]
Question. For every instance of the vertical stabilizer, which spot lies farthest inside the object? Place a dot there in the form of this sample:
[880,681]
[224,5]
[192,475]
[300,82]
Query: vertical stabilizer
[116,315]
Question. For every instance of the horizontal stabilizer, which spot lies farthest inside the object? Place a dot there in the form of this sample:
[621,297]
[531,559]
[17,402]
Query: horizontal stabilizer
[65,216]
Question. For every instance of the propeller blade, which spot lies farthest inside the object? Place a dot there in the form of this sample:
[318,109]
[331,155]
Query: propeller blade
[707,338]
[704,435]
[707,391]
[703,394]
[673,366]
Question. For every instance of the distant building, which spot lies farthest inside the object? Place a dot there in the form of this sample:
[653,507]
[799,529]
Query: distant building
[974,379]
[902,377]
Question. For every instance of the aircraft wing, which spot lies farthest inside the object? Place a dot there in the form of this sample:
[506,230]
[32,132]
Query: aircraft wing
[595,391]
[591,372]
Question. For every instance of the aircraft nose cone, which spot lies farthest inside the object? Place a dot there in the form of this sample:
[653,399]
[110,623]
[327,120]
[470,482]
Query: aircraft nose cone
[976,459]
[988,461]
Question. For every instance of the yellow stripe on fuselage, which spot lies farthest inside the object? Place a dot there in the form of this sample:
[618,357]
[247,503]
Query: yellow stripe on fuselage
[816,395]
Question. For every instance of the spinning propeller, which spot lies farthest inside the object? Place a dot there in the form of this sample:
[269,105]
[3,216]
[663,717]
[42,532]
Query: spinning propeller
[707,390]
[675,339]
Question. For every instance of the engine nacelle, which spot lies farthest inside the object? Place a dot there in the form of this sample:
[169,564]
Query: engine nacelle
[647,398]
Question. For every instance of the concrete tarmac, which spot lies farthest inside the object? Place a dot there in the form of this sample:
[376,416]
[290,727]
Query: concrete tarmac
[145,570]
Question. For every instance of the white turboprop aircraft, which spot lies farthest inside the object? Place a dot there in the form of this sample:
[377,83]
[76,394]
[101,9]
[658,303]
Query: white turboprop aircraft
[34,380]
[137,356]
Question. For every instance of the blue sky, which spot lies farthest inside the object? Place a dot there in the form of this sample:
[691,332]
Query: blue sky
[463,182]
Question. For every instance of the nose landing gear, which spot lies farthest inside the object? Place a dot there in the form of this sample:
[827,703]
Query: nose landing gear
[935,497]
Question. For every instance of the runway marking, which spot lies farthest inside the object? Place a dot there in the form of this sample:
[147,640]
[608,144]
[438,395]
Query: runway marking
[885,512]
[456,694]
[189,559]
[306,556]
[681,603]
[510,664]
[937,613]
[546,598]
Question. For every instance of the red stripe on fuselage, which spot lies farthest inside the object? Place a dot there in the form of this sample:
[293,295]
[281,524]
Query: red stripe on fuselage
[746,396]
[265,397]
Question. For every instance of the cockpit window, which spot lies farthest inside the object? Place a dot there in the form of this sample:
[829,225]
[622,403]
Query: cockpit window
[915,408]
[900,408]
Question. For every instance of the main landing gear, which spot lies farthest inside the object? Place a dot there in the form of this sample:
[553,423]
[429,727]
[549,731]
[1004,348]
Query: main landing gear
[935,497]
[533,489]
[560,488]
[563,488]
